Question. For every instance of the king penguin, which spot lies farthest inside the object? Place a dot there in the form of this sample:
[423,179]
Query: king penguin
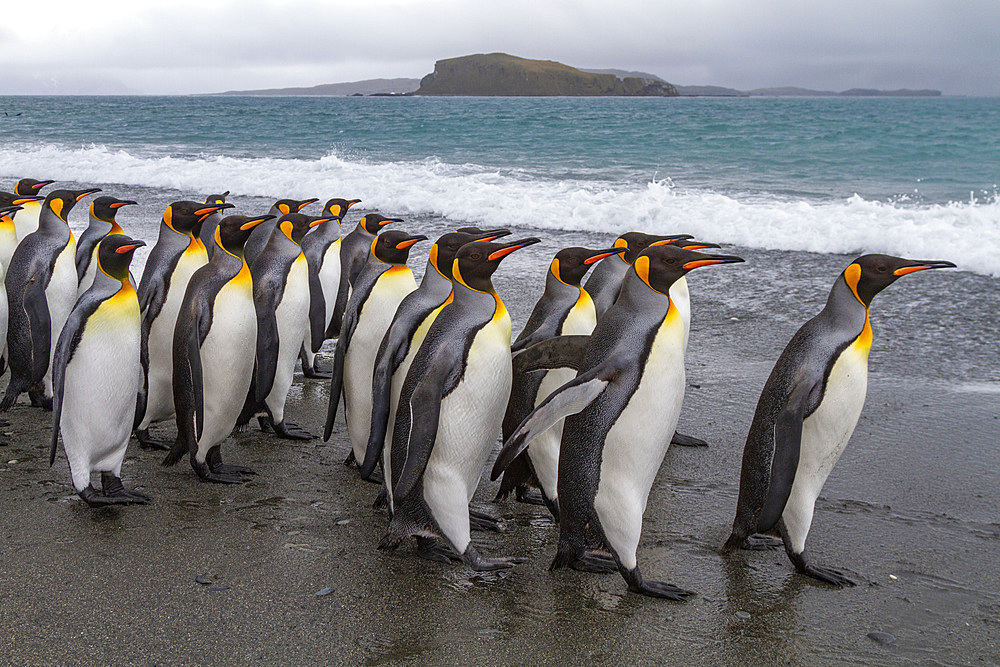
[281,297]
[382,284]
[27,222]
[41,290]
[102,223]
[95,380]
[214,344]
[807,412]
[260,236]
[564,309]
[6,228]
[354,252]
[13,204]
[450,409]
[409,325]
[321,246]
[178,253]
[208,227]
[620,414]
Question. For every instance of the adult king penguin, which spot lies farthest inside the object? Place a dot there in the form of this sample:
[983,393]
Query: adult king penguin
[564,309]
[262,234]
[95,380]
[27,222]
[450,409]
[41,290]
[207,234]
[807,412]
[378,291]
[215,341]
[620,414]
[401,341]
[281,297]
[178,253]
[12,205]
[321,247]
[355,248]
[6,225]
[102,223]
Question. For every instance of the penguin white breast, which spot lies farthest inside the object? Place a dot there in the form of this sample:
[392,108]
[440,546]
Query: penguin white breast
[8,243]
[89,274]
[26,220]
[680,295]
[635,445]
[329,279]
[292,310]
[60,293]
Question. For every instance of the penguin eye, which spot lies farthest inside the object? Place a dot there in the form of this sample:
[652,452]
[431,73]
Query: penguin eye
[882,268]
[670,260]
[475,255]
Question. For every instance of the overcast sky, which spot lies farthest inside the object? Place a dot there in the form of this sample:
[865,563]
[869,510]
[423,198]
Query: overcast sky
[184,46]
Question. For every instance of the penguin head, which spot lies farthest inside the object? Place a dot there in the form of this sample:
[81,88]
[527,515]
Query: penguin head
[106,208]
[29,187]
[61,202]
[443,251]
[7,213]
[373,222]
[393,247]
[295,225]
[185,217]
[114,254]
[475,263]
[636,242]
[287,206]
[11,199]
[234,230]
[217,199]
[660,266]
[870,274]
[336,208]
[570,265]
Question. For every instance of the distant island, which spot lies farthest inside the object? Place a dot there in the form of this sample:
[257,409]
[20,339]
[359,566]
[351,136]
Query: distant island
[500,74]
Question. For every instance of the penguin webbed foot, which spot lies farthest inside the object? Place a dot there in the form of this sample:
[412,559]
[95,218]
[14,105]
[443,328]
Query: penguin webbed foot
[825,574]
[150,443]
[760,542]
[287,430]
[595,562]
[480,563]
[529,496]
[687,441]
[430,549]
[375,478]
[208,475]
[316,372]
[654,589]
[484,522]
[215,465]
[112,487]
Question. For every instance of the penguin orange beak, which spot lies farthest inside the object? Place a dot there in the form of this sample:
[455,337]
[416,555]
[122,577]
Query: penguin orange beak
[203,213]
[25,200]
[123,202]
[923,266]
[403,245]
[320,221]
[250,224]
[601,254]
[41,184]
[712,259]
[121,250]
[305,202]
[80,194]
[672,239]
[491,235]
[7,210]
[696,245]
[388,221]
[512,247]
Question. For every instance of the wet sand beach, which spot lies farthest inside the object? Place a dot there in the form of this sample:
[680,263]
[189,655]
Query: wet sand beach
[911,512]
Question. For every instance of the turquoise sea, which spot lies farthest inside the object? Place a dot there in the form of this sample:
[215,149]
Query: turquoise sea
[916,177]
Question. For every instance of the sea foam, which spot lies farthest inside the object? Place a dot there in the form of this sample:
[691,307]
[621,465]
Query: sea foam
[966,232]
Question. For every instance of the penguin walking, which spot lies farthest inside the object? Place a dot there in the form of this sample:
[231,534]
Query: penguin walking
[102,223]
[262,234]
[321,247]
[281,298]
[807,412]
[620,414]
[414,316]
[355,248]
[450,409]
[214,344]
[178,253]
[94,374]
[378,290]
[207,234]
[27,222]
[41,290]
[564,309]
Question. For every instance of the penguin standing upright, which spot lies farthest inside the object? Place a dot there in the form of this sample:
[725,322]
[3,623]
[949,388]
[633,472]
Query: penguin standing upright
[6,225]
[807,412]
[564,309]
[13,204]
[208,227]
[260,236]
[178,253]
[355,248]
[95,380]
[382,284]
[102,223]
[27,222]
[281,298]
[321,247]
[414,316]
[620,414]
[450,409]
[215,341]
[41,290]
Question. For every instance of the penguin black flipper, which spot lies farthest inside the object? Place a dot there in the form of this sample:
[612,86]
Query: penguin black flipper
[337,375]
[37,309]
[557,352]
[317,311]
[390,355]
[265,300]
[567,400]
[189,382]
[66,345]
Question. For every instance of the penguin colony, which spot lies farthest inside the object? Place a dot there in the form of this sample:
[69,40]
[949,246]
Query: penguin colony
[587,396]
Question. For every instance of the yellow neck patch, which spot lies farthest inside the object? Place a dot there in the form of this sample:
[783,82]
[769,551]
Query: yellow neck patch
[554,269]
[57,208]
[852,275]
[641,266]
[286,229]
[433,259]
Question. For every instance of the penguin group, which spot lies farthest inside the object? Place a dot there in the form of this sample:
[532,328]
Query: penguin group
[576,412]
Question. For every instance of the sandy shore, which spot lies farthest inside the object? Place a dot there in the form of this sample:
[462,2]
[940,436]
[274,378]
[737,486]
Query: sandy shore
[915,496]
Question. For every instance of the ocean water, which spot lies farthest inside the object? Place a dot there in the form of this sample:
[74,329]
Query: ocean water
[914,177]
